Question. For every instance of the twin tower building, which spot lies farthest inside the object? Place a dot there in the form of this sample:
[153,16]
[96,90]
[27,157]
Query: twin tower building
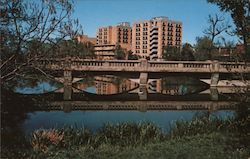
[146,39]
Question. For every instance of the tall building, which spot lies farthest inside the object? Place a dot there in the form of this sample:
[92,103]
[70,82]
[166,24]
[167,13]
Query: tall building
[150,36]
[108,38]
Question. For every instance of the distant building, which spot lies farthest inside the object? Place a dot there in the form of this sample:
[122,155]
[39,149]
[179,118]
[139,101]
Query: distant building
[110,37]
[229,53]
[86,39]
[105,51]
[239,49]
[150,36]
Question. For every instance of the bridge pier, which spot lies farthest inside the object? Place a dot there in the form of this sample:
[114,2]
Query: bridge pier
[67,107]
[143,78]
[143,95]
[214,79]
[215,74]
[67,85]
[214,94]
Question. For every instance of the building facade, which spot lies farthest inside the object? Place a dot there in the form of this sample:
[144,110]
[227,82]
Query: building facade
[151,36]
[120,34]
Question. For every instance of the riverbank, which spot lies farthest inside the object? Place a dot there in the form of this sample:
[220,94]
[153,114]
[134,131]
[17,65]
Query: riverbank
[203,137]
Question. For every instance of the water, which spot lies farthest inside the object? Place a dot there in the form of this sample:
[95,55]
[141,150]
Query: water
[108,99]
[94,120]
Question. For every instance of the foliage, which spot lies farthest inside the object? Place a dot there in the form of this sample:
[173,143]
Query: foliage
[130,134]
[187,53]
[120,54]
[41,140]
[132,56]
[30,30]
[171,53]
[240,13]
[203,49]
[73,48]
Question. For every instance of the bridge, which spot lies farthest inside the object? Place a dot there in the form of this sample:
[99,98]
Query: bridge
[212,70]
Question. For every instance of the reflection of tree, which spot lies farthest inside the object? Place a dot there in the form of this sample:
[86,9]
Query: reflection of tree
[31,81]
[242,115]
[181,85]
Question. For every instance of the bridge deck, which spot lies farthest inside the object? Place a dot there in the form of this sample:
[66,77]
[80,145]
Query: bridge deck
[144,66]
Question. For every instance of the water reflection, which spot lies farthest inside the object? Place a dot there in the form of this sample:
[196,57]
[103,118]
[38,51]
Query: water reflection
[177,86]
[105,85]
[36,85]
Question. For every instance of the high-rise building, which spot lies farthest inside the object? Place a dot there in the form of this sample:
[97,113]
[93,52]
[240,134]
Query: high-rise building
[149,37]
[110,37]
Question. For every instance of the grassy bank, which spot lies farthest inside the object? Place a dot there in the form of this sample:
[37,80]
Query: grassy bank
[200,138]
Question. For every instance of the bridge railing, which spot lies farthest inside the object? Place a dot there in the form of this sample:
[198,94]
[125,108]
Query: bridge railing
[143,65]
[234,67]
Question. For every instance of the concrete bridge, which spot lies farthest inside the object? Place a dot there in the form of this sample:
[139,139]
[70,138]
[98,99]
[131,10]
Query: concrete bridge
[212,70]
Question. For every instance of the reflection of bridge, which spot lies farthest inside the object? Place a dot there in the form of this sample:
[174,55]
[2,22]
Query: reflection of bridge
[139,105]
[203,69]
[131,101]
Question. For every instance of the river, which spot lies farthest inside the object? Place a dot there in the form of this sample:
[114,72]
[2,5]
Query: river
[98,100]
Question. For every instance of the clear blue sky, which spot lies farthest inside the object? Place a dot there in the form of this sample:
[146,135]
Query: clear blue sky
[192,13]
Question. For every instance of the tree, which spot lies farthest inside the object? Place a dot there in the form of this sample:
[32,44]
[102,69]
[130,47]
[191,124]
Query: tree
[30,30]
[216,27]
[240,13]
[171,53]
[202,48]
[73,48]
[187,52]
[119,53]
[132,56]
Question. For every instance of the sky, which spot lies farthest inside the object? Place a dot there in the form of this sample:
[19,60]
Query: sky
[192,13]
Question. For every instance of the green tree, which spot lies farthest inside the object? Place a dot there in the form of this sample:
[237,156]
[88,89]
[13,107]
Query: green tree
[187,52]
[132,56]
[240,13]
[203,48]
[171,53]
[120,53]
[73,48]
[27,28]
